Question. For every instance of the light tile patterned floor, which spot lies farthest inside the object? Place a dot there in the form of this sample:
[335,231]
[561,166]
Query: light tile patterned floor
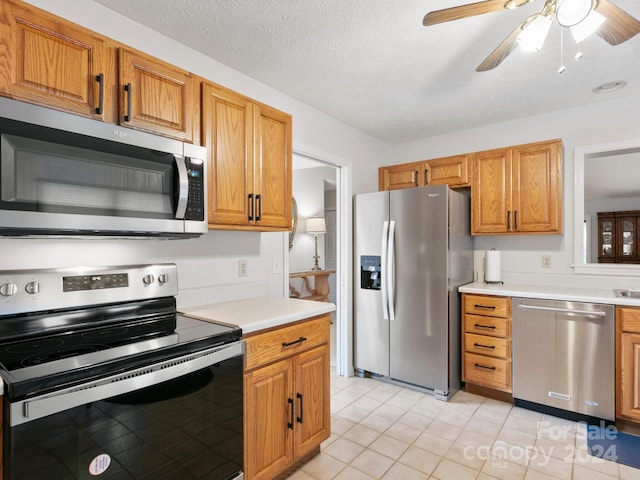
[384,431]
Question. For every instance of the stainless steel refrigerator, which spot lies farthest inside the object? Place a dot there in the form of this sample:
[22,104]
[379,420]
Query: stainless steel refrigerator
[412,249]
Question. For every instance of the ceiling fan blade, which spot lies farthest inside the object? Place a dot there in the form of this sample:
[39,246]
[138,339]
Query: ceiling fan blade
[503,50]
[463,11]
[619,26]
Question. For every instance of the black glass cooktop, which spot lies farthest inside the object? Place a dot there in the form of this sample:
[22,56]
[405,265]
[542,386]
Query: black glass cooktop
[44,351]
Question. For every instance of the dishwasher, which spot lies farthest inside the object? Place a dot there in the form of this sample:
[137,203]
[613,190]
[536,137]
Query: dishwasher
[564,358]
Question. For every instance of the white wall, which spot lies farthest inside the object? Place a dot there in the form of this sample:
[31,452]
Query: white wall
[207,266]
[521,254]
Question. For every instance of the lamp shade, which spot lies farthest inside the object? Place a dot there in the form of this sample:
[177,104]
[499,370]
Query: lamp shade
[316,226]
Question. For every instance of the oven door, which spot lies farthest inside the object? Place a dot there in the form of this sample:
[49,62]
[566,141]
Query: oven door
[180,418]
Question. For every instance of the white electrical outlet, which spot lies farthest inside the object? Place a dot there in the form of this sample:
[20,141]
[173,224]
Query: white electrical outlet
[276,268]
[242,268]
[546,261]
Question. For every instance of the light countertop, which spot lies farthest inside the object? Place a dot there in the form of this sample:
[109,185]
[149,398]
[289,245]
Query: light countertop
[258,313]
[550,292]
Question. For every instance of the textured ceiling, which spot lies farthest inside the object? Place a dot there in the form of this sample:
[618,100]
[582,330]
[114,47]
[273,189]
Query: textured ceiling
[371,63]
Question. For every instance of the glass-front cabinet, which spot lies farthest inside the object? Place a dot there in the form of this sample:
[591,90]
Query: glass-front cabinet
[618,237]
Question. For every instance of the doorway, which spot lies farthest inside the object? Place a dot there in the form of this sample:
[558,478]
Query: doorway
[320,189]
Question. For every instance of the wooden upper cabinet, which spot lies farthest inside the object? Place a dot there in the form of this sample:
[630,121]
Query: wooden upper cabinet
[55,63]
[250,155]
[273,167]
[537,188]
[156,96]
[491,192]
[395,177]
[227,129]
[452,171]
[518,190]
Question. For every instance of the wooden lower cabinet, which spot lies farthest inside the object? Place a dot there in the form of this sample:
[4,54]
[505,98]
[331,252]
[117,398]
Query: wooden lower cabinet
[287,391]
[628,363]
[486,343]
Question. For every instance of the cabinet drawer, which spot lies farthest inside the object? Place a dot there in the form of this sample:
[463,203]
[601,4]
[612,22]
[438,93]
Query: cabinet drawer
[487,371]
[280,343]
[493,326]
[629,319]
[485,305]
[484,345]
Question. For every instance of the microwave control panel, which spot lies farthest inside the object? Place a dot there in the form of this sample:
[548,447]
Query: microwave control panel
[195,200]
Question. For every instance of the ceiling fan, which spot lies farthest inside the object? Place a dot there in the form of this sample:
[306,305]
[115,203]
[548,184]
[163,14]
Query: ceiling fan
[583,17]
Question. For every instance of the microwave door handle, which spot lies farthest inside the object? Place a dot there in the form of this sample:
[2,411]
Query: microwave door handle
[183,186]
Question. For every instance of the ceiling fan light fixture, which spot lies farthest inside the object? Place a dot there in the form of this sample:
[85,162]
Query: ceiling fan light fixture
[534,34]
[572,12]
[588,26]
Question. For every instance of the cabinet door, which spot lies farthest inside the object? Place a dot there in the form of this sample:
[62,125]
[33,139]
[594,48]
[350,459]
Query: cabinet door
[491,192]
[156,96]
[606,238]
[537,188]
[629,376]
[452,171]
[396,177]
[227,122]
[55,63]
[273,158]
[268,437]
[626,235]
[312,391]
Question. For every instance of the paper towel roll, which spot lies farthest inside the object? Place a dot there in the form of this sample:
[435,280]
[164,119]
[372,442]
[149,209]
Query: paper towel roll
[492,266]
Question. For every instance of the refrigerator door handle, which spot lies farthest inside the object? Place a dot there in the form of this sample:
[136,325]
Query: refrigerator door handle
[390,271]
[385,298]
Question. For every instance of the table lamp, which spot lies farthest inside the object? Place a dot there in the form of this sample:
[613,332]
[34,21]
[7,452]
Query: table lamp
[316,226]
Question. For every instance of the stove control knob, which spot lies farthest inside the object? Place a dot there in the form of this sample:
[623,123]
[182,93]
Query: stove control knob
[163,278]
[32,288]
[148,279]
[8,289]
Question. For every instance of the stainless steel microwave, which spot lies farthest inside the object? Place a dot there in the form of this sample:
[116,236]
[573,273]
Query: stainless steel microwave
[62,174]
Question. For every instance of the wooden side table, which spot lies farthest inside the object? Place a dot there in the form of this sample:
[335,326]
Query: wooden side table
[320,292]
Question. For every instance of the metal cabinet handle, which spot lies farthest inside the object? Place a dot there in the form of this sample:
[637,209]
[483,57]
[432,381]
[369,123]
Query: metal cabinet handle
[426,177]
[414,177]
[290,402]
[479,325]
[100,107]
[515,219]
[299,419]
[509,220]
[483,366]
[251,206]
[259,208]
[492,347]
[486,307]
[288,344]
[127,88]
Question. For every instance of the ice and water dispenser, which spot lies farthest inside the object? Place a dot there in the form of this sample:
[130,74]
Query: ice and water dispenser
[370,274]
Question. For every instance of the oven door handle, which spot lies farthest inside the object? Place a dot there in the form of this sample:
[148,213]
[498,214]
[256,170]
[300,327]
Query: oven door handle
[27,410]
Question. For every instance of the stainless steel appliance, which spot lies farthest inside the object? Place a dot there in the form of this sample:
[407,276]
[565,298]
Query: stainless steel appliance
[64,174]
[412,250]
[564,357]
[103,378]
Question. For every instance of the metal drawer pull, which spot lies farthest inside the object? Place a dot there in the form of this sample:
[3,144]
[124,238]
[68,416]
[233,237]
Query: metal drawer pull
[488,307]
[100,107]
[492,347]
[127,88]
[299,396]
[479,325]
[563,310]
[290,424]
[483,366]
[288,344]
